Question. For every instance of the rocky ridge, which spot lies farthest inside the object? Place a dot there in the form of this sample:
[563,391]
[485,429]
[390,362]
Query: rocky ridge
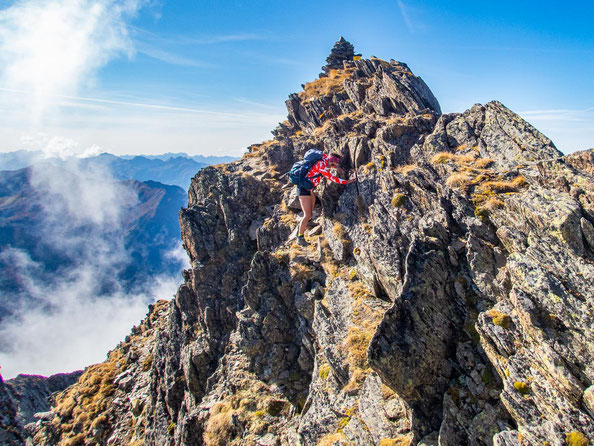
[445,299]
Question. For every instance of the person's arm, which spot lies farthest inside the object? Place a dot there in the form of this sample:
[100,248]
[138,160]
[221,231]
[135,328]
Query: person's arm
[324,171]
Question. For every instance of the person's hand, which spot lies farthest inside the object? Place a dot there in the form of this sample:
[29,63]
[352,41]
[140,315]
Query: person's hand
[351,180]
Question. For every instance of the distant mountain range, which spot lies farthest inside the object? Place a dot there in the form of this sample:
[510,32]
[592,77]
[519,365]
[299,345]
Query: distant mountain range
[170,168]
[198,158]
[45,218]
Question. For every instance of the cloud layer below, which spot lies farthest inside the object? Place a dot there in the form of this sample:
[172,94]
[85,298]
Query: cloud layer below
[71,319]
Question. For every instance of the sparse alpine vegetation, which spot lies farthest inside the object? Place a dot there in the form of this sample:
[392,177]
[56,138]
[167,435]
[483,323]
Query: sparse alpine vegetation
[445,299]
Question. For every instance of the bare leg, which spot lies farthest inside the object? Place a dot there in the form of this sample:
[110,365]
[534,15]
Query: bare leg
[306,207]
[313,202]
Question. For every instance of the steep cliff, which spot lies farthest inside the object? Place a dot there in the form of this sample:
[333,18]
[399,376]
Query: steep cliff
[445,299]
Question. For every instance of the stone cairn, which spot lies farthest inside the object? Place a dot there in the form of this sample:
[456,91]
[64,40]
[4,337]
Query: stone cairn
[343,51]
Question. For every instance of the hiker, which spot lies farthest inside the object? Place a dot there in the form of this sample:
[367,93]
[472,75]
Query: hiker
[306,175]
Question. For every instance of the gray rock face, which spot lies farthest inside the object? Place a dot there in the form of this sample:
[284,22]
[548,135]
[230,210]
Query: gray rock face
[492,131]
[32,394]
[26,396]
[10,430]
[444,299]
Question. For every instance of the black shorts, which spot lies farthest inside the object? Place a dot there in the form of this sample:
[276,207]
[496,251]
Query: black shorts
[303,192]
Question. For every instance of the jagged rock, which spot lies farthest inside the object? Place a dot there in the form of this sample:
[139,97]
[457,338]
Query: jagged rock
[32,393]
[11,433]
[445,299]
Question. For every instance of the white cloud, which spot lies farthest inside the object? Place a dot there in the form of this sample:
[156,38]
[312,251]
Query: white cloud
[405,16]
[70,319]
[69,327]
[58,146]
[178,254]
[51,51]
[53,46]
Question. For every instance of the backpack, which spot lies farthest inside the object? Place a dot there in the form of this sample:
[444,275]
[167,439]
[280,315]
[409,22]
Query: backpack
[301,168]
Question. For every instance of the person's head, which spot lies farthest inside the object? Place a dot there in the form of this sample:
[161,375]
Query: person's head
[334,159]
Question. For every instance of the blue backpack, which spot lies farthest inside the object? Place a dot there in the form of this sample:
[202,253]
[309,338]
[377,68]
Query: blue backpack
[301,168]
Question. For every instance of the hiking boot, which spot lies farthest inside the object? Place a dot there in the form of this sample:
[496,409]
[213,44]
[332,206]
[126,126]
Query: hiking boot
[301,241]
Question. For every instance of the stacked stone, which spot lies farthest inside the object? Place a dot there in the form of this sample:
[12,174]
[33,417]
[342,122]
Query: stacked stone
[343,50]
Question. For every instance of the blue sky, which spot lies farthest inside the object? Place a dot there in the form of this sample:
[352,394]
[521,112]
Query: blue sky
[211,77]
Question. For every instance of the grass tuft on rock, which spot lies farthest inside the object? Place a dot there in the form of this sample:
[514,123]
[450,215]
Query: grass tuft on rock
[324,86]
[505,186]
[444,157]
[458,179]
[397,441]
[332,439]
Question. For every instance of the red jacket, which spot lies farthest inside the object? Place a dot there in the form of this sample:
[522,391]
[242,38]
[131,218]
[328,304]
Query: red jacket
[320,169]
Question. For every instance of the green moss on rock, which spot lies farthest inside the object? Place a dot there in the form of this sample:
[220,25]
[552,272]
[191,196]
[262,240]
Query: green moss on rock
[398,200]
[499,318]
[481,213]
[487,375]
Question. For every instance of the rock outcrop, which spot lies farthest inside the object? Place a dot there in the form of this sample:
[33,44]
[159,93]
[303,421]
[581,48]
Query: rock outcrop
[23,397]
[32,394]
[444,299]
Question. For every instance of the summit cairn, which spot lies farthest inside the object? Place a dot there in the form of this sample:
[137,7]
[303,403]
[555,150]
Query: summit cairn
[343,51]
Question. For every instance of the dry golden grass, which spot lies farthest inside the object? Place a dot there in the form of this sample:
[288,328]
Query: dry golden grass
[288,219]
[459,179]
[147,363]
[405,169]
[398,441]
[444,157]
[331,268]
[300,271]
[505,186]
[324,371]
[461,147]
[396,119]
[358,291]
[86,402]
[219,429]
[387,393]
[481,163]
[356,382]
[324,86]
[355,346]
[77,440]
[340,231]
[320,131]
[250,409]
[492,203]
[255,154]
[331,439]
